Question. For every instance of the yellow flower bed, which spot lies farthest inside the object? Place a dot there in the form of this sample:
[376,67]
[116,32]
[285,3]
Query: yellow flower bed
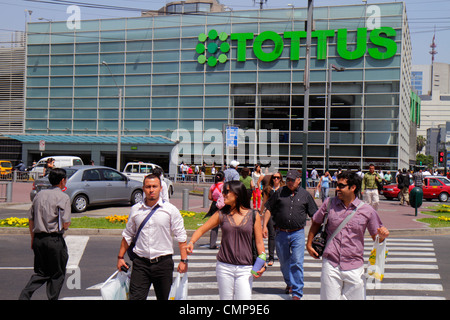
[117,219]
[14,222]
[442,218]
[124,219]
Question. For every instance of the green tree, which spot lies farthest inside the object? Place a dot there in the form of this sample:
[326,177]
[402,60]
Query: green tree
[427,161]
[420,143]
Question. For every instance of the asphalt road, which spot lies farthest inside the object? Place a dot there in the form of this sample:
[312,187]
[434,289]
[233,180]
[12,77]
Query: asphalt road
[96,262]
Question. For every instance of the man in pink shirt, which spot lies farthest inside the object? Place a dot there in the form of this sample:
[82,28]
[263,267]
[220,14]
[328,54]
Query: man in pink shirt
[343,262]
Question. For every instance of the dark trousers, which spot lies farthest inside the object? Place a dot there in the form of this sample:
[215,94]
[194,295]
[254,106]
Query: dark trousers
[50,260]
[271,239]
[145,273]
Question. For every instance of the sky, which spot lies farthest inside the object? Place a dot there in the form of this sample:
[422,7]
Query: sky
[425,18]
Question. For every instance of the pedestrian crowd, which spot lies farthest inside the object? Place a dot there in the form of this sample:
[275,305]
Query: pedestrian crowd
[247,206]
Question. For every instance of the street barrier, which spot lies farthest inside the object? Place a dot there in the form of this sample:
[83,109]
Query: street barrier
[5,191]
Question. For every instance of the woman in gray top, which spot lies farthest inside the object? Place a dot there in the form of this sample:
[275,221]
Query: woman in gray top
[235,257]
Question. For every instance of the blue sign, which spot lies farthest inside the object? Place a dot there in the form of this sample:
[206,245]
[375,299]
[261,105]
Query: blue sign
[232,136]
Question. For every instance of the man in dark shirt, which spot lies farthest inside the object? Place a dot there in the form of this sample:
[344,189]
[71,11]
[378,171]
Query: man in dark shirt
[289,207]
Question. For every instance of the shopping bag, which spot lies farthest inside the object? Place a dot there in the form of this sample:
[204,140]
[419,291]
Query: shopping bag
[317,194]
[179,289]
[377,260]
[117,287]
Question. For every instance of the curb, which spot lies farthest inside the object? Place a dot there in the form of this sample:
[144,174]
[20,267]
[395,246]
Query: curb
[118,232]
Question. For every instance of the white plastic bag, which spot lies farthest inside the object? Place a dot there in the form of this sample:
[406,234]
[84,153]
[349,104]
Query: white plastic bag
[117,287]
[317,194]
[377,260]
[179,289]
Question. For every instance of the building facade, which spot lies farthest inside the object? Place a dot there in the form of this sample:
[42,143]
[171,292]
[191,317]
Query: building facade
[433,85]
[186,77]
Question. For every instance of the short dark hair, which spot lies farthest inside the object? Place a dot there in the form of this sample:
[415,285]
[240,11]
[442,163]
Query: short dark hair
[158,171]
[242,199]
[352,179]
[152,176]
[56,175]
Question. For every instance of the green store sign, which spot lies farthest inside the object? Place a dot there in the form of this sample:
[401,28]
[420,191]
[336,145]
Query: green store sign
[213,47]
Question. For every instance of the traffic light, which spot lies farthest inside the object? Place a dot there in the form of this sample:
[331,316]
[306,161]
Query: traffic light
[441,159]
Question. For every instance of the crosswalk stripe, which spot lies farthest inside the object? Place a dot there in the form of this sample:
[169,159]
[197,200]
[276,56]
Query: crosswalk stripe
[411,273]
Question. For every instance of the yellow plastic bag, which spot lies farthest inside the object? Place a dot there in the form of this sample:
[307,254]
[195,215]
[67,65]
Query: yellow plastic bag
[377,260]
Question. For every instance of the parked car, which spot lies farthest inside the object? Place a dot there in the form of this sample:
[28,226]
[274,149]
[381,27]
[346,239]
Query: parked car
[5,167]
[89,185]
[434,187]
[138,170]
[60,161]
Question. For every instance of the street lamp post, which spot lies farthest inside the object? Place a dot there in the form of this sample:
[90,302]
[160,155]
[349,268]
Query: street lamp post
[331,67]
[306,99]
[119,125]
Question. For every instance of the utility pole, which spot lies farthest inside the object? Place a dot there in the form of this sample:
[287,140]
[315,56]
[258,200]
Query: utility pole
[306,100]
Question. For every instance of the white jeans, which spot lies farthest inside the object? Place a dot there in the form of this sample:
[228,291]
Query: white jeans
[337,284]
[372,197]
[235,282]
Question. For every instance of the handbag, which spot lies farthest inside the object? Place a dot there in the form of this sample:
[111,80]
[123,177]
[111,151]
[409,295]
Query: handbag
[320,240]
[130,252]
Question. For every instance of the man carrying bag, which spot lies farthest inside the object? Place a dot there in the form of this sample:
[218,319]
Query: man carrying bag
[343,259]
[149,232]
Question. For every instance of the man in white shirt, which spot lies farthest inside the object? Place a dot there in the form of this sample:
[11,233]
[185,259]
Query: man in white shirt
[154,249]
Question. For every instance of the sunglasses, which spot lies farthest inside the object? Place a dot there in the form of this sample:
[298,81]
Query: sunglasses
[276,177]
[341,185]
[226,191]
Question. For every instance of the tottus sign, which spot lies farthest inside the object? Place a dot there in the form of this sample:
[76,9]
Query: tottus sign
[214,47]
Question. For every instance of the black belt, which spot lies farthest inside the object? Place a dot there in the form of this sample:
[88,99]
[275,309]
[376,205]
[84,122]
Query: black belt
[44,234]
[157,259]
[288,230]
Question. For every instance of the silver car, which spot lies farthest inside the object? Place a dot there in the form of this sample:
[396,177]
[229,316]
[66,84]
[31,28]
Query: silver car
[88,185]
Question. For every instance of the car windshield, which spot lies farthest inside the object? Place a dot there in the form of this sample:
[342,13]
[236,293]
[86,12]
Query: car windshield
[446,181]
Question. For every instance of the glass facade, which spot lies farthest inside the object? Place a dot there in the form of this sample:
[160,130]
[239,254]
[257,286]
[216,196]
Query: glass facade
[177,74]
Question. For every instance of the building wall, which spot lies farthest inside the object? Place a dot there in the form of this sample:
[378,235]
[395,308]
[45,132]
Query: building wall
[435,99]
[12,82]
[170,90]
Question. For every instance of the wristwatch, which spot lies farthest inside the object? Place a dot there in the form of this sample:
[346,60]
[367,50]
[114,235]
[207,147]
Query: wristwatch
[184,260]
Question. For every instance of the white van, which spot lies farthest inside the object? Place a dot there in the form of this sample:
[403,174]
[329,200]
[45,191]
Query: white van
[60,161]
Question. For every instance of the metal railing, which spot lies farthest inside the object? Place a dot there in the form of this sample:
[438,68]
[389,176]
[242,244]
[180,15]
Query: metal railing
[5,191]
[20,176]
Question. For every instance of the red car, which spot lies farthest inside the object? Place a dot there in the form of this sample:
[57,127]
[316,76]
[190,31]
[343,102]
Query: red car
[434,187]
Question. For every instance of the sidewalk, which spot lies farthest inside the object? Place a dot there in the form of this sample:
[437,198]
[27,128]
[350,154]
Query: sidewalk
[395,217]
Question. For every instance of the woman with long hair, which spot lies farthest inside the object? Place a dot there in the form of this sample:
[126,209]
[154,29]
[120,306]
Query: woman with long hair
[215,195]
[275,182]
[235,259]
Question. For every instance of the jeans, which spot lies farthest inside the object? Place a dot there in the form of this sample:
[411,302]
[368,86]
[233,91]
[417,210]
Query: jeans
[291,252]
[325,192]
[234,282]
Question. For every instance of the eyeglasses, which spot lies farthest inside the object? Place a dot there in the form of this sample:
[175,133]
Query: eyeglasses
[290,180]
[341,185]
[275,177]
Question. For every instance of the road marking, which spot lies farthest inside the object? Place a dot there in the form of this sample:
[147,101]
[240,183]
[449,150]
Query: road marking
[75,246]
